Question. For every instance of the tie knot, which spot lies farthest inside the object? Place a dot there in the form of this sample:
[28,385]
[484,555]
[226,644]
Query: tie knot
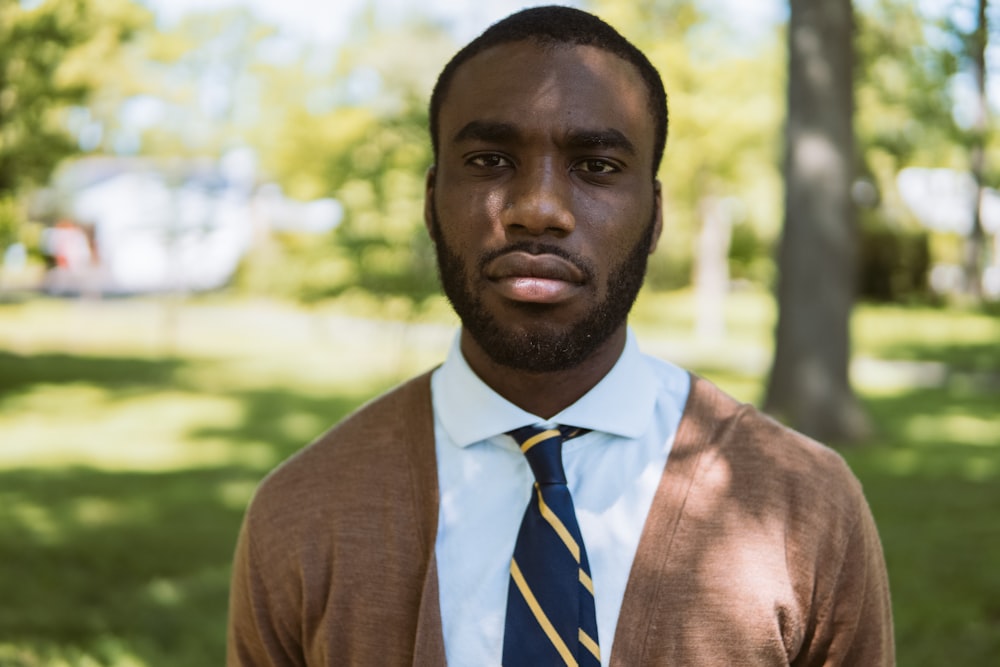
[543,449]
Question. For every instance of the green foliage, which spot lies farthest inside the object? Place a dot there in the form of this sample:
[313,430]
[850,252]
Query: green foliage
[904,118]
[372,155]
[33,44]
[916,107]
[11,219]
[376,169]
[902,85]
[208,74]
[49,61]
[750,256]
[383,233]
[52,59]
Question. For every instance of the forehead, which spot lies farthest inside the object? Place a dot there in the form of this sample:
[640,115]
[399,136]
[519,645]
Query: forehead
[548,87]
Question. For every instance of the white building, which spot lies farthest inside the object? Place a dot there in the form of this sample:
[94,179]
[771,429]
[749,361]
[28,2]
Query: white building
[152,232]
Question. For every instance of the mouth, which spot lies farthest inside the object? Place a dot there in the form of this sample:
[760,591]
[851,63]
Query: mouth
[545,279]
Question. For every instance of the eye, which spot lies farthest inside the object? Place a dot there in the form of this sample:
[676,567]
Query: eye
[597,166]
[489,161]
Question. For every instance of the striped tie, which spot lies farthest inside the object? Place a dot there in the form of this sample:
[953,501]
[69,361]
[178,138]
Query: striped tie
[550,599]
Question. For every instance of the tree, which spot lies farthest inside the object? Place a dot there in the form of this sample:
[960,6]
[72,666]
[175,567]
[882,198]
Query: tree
[809,385]
[206,75]
[369,150]
[903,85]
[41,51]
[33,43]
[904,118]
[50,56]
[975,245]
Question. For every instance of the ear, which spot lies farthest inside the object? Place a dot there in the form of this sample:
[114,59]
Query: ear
[429,199]
[657,214]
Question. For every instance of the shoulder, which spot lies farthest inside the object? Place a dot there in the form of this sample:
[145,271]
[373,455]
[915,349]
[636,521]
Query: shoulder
[375,452]
[337,539]
[765,525]
[756,442]
[768,470]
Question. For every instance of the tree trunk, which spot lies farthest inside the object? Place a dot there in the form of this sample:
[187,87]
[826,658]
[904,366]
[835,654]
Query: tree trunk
[975,244]
[809,386]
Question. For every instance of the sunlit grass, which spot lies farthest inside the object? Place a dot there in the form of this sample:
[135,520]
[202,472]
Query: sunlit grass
[144,432]
[132,434]
[899,332]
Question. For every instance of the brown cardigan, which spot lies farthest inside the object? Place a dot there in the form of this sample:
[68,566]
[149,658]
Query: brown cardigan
[759,549]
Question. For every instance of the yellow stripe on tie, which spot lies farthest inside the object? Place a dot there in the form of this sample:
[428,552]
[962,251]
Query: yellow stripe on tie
[587,582]
[559,527]
[541,437]
[590,644]
[543,620]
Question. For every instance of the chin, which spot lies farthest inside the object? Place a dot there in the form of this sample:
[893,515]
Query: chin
[540,349]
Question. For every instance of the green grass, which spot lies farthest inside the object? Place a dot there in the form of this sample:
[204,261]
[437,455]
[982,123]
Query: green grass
[132,434]
[933,480]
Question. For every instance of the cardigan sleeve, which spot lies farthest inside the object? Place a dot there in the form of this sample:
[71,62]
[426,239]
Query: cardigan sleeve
[259,632]
[853,615]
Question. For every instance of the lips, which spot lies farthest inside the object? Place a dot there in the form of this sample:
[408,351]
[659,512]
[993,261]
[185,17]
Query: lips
[528,278]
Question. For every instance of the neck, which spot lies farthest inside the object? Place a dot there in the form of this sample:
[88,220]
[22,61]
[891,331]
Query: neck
[544,394]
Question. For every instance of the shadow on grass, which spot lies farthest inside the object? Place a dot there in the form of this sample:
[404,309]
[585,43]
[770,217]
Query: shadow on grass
[113,566]
[128,567]
[284,421]
[21,372]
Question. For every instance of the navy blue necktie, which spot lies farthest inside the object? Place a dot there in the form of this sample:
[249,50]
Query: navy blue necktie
[550,599]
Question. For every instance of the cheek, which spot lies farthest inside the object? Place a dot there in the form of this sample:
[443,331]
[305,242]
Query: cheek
[616,241]
[469,213]
[494,203]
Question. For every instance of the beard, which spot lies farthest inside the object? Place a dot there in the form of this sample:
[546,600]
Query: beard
[546,347]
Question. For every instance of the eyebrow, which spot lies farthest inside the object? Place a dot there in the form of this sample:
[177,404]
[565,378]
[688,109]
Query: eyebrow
[609,138]
[499,132]
[488,131]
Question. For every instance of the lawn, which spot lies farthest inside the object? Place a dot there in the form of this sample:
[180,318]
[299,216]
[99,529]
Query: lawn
[132,433]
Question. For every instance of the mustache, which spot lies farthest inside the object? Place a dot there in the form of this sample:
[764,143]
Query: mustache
[531,247]
[539,248]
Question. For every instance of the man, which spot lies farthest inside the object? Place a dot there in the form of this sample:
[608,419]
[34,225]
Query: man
[698,531]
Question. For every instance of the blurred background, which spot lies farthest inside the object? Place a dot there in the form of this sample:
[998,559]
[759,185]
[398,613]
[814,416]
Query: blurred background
[212,248]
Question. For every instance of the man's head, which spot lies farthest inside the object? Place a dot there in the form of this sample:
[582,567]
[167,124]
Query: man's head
[554,25]
[542,202]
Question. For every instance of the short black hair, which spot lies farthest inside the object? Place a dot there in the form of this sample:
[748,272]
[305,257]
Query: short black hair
[556,25]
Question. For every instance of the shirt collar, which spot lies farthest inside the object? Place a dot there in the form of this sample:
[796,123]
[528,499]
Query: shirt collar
[622,403]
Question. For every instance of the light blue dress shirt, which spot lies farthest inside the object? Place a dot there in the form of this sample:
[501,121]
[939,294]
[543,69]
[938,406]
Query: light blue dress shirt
[485,483]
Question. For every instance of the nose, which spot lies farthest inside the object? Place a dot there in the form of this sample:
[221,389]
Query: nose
[539,202]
